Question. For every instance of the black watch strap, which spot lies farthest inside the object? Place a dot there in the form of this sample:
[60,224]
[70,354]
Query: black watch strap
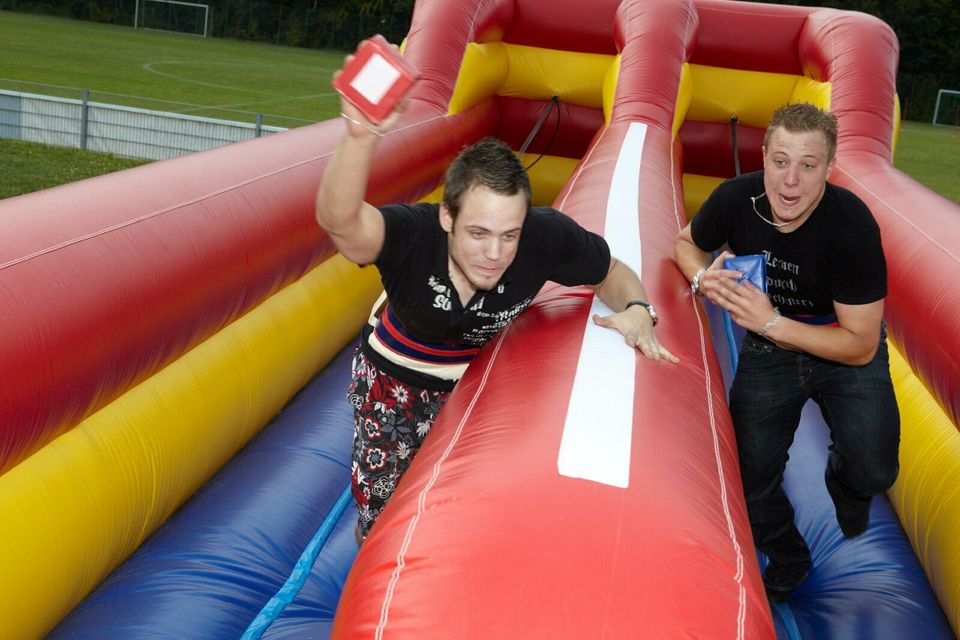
[646,305]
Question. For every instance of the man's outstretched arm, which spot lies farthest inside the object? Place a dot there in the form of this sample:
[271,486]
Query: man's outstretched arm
[620,287]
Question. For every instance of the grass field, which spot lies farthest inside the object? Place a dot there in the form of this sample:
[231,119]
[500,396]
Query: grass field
[28,166]
[234,80]
[931,156]
[212,77]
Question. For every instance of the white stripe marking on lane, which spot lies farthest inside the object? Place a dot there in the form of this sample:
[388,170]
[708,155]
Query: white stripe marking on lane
[598,430]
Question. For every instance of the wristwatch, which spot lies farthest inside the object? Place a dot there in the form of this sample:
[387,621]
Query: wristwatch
[646,305]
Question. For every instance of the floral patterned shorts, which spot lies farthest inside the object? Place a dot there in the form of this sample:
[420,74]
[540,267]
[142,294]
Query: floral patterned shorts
[391,419]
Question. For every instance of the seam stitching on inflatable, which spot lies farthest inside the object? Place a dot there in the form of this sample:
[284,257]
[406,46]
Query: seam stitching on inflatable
[708,388]
[179,205]
[897,212]
[148,216]
[421,499]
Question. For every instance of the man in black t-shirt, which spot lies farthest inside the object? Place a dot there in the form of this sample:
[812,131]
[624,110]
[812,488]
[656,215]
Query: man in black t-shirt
[454,274]
[816,333]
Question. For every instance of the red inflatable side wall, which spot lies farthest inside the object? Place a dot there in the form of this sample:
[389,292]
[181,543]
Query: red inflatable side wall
[858,55]
[182,263]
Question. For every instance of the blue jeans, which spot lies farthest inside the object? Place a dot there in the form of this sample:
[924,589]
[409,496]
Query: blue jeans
[859,407]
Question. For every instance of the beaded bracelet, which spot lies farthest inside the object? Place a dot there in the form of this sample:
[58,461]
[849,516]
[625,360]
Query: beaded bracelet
[771,323]
[695,283]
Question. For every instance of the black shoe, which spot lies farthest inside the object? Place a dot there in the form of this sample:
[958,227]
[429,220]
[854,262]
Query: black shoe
[854,522]
[853,514]
[780,581]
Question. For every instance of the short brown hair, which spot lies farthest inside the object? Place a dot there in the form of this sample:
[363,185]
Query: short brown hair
[801,118]
[489,163]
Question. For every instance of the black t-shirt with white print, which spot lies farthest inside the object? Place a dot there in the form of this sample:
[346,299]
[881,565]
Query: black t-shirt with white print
[413,266]
[835,255]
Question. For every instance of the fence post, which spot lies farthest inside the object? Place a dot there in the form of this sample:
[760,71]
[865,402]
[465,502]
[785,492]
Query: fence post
[259,128]
[84,111]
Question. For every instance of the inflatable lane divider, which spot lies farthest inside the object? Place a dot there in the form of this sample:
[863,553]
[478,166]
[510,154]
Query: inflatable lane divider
[781,609]
[301,571]
[401,559]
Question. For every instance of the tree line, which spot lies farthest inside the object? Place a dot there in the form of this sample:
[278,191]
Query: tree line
[928,30]
[929,35]
[316,24]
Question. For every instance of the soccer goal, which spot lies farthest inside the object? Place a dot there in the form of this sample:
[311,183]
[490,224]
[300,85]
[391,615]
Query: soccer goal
[947,111]
[172,15]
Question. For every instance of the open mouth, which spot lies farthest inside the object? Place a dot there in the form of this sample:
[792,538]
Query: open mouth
[789,201]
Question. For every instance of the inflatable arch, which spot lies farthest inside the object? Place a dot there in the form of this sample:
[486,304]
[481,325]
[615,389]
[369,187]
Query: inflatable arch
[153,322]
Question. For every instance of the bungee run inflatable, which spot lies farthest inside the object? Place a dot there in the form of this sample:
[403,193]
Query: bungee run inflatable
[175,343]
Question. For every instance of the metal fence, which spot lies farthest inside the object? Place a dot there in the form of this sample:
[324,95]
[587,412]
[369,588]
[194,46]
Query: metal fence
[120,130]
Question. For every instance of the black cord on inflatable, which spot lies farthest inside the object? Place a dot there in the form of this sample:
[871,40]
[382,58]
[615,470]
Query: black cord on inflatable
[736,152]
[553,104]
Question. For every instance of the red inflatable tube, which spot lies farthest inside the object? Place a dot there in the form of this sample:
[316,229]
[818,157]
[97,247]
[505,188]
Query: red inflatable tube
[920,234]
[106,281]
[921,245]
[750,35]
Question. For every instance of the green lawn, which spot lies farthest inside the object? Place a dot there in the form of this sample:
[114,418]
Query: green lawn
[234,80]
[166,71]
[28,166]
[931,156]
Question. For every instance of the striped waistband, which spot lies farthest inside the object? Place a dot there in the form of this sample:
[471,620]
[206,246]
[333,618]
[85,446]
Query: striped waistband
[392,335]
